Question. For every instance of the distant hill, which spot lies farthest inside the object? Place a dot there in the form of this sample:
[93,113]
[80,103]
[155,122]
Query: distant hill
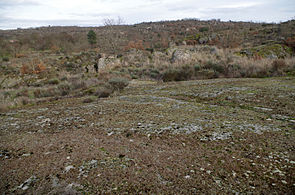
[148,36]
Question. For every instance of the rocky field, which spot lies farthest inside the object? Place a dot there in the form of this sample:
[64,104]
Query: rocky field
[225,136]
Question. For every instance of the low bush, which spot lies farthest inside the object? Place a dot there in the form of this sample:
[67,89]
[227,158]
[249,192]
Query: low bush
[220,68]
[24,100]
[88,100]
[206,74]
[5,59]
[53,81]
[154,73]
[40,93]
[3,107]
[183,73]
[118,83]
[23,92]
[170,75]
[197,67]
[64,88]
[203,29]
[103,92]
[78,84]
[278,65]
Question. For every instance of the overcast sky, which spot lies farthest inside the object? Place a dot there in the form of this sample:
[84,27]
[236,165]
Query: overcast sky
[34,13]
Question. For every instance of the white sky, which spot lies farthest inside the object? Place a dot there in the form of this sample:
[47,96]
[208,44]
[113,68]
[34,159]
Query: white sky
[33,13]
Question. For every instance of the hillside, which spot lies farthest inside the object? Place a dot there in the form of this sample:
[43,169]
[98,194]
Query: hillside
[156,35]
[173,107]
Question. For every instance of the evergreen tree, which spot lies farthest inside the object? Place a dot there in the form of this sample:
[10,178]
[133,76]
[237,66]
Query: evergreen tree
[91,37]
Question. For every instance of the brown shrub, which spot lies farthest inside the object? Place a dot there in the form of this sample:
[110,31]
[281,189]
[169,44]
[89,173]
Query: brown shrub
[49,92]
[64,88]
[183,73]
[290,41]
[23,92]
[24,100]
[103,92]
[19,55]
[25,69]
[39,68]
[3,108]
[78,84]
[278,65]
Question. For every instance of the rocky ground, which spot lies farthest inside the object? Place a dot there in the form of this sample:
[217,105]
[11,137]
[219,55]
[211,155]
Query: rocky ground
[225,136]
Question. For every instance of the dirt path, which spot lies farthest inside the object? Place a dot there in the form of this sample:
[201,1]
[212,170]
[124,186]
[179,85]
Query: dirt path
[213,136]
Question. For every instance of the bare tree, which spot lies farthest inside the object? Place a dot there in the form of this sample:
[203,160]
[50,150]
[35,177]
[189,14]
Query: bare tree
[113,22]
[112,36]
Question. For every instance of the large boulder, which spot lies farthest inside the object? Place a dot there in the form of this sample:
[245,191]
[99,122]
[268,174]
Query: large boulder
[180,55]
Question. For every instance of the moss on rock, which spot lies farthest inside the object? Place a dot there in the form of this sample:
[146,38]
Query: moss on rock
[267,51]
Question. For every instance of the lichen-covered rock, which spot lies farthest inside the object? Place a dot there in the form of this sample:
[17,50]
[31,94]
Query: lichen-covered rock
[271,51]
[180,55]
[203,40]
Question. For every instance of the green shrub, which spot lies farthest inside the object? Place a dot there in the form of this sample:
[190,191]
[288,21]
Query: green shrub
[215,66]
[5,59]
[203,29]
[53,81]
[153,73]
[88,100]
[133,76]
[89,91]
[118,83]
[197,67]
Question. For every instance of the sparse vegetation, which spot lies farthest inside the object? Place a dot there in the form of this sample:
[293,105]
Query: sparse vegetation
[118,83]
[72,120]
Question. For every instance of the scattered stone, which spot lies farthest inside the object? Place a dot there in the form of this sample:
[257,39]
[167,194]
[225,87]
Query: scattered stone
[86,167]
[26,155]
[187,176]
[111,133]
[263,109]
[28,183]
[284,182]
[55,182]
[68,168]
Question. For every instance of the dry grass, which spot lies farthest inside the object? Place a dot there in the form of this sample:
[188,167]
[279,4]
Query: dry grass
[220,63]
